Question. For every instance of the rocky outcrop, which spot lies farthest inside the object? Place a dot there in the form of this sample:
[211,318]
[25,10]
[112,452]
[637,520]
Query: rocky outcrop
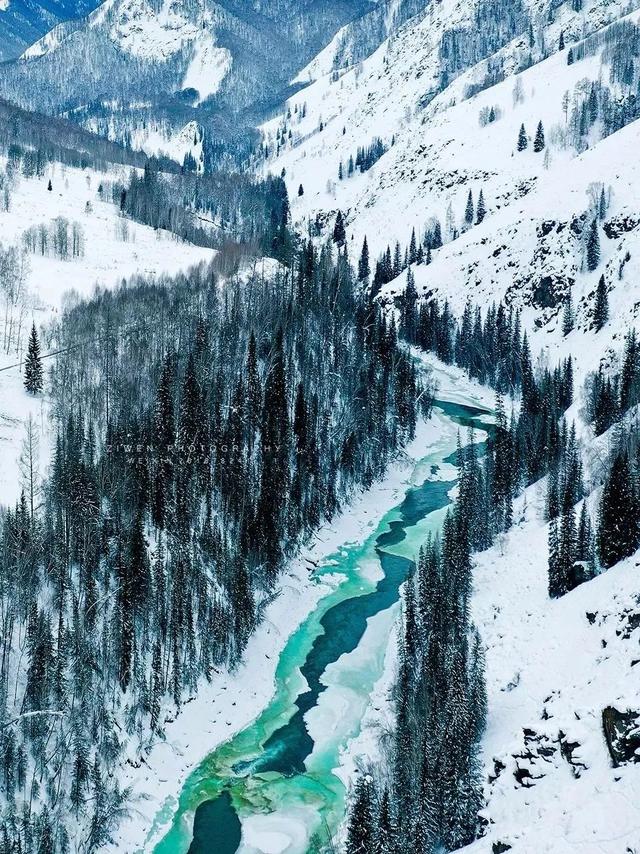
[622,735]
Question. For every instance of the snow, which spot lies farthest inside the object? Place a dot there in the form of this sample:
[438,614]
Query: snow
[108,257]
[208,68]
[568,668]
[52,282]
[549,668]
[441,153]
[144,32]
[153,33]
[385,97]
[158,139]
[47,44]
[276,833]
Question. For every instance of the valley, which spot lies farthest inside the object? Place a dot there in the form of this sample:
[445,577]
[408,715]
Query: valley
[319,456]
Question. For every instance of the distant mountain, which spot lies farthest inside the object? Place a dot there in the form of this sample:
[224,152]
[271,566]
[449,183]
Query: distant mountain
[135,64]
[22,22]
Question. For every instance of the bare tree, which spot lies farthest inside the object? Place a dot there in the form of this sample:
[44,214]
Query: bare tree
[29,465]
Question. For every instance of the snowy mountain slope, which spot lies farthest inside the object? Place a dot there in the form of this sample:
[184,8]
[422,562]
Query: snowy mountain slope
[156,138]
[553,667]
[24,21]
[394,96]
[174,62]
[556,669]
[361,37]
[530,248]
[113,248]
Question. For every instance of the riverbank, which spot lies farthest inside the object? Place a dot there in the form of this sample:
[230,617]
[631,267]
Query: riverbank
[233,700]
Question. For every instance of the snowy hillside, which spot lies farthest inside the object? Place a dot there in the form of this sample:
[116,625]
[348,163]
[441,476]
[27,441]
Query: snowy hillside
[172,63]
[110,248]
[530,247]
[553,668]
[23,22]
[336,550]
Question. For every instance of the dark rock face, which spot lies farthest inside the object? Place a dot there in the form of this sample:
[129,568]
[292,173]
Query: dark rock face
[531,763]
[578,574]
[630,621]
[569,752]
[619,225]
[551,291]
[622,735]
[546,283]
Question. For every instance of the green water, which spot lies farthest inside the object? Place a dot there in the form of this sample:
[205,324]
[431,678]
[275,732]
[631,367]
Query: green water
[272,787]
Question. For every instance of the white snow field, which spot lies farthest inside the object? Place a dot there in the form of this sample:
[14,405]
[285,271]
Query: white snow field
[552,666]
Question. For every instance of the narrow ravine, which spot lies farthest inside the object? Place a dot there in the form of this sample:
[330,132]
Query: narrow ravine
[272,787]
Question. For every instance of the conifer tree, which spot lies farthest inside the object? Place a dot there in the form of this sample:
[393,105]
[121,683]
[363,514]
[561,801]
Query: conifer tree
[397,260]
[481,210]
[364,270]
[385,831]
[360,831]
[568,319]
[567,550]
[408,318]
[523,142]
[276,443]
[584,540]
[593,247]
[618,528]
[254,390]
[468,213]
[339,233]
[413,252]
[556,580]
[539,141]
[301,190]
[630,376]
[436,237]
[602,204]
[33,375]
[601,308]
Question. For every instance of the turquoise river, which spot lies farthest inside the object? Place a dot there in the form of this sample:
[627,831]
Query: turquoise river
[272,788]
